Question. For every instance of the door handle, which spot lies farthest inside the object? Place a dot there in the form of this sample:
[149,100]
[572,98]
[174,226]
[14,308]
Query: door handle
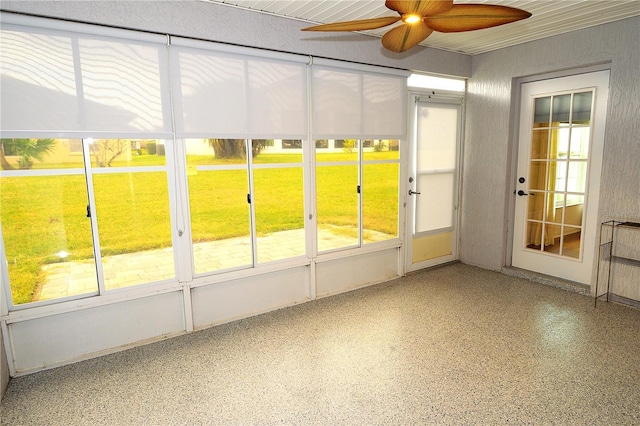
[521,193]
[411,192]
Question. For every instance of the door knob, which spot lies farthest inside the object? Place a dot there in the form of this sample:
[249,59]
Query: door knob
[521,193]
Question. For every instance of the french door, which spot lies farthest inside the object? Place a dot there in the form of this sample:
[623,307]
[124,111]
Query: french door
[561,142]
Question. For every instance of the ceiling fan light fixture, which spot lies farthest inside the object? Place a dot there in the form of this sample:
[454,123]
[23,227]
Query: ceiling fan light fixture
[411,18]
[421,18]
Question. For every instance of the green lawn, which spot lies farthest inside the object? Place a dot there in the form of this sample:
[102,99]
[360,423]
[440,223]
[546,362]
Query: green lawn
[43,215]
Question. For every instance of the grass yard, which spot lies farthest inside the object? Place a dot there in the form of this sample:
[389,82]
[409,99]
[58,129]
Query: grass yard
[43,216]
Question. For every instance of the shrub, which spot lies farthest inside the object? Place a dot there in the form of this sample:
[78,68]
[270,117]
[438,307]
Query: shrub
[151,148]
[380,146]
[348,145]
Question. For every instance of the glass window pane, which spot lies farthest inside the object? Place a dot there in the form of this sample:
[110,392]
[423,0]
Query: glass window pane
[560,143]
[533,238]
[574,211]
[561,109]
[269,151]
[337,98]
[554,207]
[380,202]
[122,85]
[218,188]
[577,176]
[542,111]
[383,104]
[338,150]
[582,107]
[557,175]
[571,242]
[382,149]
[540,144]
[337,200]
[213,89]
[580,137]
[43,209]
[438,136]
[538,175]
[432,82]
[132,208]
[535,205]
[71,81]
[552,238]
[277,99]
[279,206]
[435,215]
[106,153]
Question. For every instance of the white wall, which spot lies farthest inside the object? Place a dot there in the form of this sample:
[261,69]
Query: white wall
[226,24]
[487,186]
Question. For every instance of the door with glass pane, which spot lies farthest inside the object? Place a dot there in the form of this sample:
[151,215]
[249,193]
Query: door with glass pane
[559,162]
[433,183]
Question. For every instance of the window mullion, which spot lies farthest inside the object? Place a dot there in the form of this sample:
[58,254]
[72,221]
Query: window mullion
[360,191]
[93,216]
[179,200]
[251,202]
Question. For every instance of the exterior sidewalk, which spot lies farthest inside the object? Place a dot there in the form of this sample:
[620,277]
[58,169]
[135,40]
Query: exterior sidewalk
[123,270]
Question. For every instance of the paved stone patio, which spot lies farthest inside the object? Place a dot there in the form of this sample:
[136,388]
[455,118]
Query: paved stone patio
[123,270]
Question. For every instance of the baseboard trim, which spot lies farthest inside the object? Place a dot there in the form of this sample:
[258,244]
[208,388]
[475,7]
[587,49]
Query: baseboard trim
[548,280]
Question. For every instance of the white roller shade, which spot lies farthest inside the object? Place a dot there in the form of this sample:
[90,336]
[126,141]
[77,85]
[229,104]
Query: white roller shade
[228,95]
[61,83]
[358,103]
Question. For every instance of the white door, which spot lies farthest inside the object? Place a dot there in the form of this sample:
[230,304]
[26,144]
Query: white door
[433,182]
[561,141]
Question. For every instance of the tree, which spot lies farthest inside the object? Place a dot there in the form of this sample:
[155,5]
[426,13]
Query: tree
[234,148]
[26,149]
[349,145]
[104,151]
[3,161]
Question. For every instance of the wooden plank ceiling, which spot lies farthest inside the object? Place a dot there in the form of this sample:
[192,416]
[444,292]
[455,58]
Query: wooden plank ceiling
[550,17]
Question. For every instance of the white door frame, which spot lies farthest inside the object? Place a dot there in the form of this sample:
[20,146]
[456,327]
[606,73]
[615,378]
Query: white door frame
[514,148]
[451,99]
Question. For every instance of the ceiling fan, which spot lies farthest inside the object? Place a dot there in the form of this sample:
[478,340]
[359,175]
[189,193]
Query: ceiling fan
[421,17]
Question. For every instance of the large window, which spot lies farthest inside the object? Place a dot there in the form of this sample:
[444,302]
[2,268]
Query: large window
[76,225]
[357,115]
[127,161]
[246,205]
[357,193]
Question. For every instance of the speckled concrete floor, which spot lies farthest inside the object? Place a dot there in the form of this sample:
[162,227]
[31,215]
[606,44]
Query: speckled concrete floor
[453,345]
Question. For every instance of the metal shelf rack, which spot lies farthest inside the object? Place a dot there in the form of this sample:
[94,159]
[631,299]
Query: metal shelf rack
[609,253]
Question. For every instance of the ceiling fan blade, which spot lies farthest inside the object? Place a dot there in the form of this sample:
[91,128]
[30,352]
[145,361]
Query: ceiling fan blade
[360,25]
[469,17]
[405,36]
[419,7]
